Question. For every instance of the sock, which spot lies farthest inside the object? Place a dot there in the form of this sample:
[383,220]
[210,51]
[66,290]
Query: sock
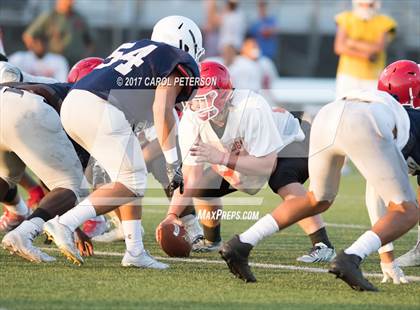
[132,236]
[20,208]
[212,234]
[264,227]
[367,243]
[78,215]
[320,236]
[41,213]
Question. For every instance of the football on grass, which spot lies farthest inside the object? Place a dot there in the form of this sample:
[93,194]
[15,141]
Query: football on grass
[173,240]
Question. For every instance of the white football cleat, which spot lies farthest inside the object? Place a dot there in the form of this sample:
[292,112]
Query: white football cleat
[115,234]
[63,237]
[193,227]
[20,244]
[411,258]
[143,260]
[320,253]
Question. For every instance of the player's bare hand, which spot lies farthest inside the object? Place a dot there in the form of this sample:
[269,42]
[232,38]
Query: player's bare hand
[170,218]
[207,153]
[83,243]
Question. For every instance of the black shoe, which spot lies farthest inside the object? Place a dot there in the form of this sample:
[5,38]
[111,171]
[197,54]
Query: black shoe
[347,268]
[235,253]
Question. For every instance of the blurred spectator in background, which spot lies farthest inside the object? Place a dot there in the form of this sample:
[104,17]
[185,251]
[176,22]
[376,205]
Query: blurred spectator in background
[245,70]
[39,62]
[265,30]
[232,25]
[66,31]
[211,28]
[362,37]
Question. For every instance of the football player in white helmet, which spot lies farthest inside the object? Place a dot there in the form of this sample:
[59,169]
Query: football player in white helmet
[181,32]
[121,89]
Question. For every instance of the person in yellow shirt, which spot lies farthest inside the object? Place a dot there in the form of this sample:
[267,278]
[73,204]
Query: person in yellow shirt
[362,37]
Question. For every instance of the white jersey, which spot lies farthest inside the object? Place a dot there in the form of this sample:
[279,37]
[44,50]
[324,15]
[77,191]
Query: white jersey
[402,121]
[11,73]
[51,65]
[252,128]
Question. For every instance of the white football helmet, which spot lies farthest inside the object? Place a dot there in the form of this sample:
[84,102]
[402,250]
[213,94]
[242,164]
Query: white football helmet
[9,73]
[180,32]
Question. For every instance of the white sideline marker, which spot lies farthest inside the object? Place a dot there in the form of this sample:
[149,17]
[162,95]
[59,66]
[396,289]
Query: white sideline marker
[257,265]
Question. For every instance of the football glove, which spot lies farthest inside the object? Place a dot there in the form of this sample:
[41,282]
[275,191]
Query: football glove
[176,179]
[392,272]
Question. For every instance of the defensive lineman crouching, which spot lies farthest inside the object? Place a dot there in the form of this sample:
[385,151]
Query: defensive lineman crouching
[230,140]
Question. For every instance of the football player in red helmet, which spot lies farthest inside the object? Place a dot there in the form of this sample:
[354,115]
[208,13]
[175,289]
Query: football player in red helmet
[237,133]
[370,127]
[82,68]
[401,79]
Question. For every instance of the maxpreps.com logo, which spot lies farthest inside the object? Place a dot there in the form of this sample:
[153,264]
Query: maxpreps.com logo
[220,214]
[151,82]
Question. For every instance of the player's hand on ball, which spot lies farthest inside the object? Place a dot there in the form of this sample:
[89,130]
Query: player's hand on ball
[83,243]
[176,179]
[393,273]
[207,153]
[170,218]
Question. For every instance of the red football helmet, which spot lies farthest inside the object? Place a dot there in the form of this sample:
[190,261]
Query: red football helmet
[82,68]
[401,79]
[214,92]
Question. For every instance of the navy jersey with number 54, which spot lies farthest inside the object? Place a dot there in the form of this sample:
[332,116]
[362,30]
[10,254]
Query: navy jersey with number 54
[129,76]
[411,151]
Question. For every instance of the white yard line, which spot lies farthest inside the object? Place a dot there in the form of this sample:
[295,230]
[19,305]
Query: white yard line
[257,265]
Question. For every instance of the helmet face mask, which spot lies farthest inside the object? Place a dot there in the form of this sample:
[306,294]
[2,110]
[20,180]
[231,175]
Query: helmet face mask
[204,105]
[212,104]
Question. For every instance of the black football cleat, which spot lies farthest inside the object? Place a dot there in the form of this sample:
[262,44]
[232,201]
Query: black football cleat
[347,268]
[236,253]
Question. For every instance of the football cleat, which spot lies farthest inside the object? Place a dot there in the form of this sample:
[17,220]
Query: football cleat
[115,234]
[411,258]
[318,254]
[347,268]
[95,227]
[143,260]
[63,237]
[193,227]
[9,220]
[235,253]
[20,244]
[201,245]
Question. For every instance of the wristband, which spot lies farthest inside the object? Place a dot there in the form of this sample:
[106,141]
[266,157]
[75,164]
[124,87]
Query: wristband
[171,155]
[176,215]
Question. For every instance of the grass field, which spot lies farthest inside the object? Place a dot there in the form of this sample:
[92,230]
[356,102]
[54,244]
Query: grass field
[101,283]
